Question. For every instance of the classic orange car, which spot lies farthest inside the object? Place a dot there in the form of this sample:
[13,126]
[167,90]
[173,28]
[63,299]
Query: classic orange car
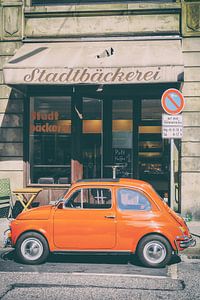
[102,215]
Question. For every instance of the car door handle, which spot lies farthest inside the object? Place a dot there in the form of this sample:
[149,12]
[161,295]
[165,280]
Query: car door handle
[109,217]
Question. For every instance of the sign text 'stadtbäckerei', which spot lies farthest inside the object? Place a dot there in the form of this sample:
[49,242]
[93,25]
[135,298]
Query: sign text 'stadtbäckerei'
[91,75]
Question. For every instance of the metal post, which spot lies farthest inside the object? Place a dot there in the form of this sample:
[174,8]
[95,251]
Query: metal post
[114,172]
[171,172]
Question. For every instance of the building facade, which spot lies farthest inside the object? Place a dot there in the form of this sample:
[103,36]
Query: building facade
[80,94]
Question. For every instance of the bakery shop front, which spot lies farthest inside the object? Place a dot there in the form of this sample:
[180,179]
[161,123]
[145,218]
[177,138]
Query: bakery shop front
[92,108]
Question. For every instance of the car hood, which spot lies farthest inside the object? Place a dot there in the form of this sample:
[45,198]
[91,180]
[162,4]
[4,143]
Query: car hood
[39,213]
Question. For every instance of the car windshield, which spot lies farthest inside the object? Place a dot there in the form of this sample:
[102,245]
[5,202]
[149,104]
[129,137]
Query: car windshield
[61,197]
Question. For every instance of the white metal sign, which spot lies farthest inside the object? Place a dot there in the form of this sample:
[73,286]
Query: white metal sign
[172,126]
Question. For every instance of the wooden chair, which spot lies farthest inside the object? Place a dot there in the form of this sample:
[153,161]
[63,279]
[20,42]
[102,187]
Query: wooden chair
[6,203]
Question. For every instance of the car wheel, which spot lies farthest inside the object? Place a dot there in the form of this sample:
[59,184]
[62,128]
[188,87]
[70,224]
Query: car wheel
[154,251]
[32,248]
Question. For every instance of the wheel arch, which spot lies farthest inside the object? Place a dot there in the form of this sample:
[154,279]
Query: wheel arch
[35,231]
[153,233]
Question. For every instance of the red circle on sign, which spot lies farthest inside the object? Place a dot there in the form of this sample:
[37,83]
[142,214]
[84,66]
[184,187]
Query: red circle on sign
[168,99]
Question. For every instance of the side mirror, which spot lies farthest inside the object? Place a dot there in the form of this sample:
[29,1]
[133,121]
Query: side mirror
[60,205]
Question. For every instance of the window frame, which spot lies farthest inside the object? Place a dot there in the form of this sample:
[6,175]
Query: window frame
[81,190]
[141,193]
[27,148]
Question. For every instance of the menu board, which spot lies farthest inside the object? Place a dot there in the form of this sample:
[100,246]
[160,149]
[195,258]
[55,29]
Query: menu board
[122,159]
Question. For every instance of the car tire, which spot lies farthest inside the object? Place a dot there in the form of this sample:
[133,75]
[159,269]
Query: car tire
[154,251]
[32,248]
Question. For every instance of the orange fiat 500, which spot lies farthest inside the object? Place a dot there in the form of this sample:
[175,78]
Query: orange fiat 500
[104,216]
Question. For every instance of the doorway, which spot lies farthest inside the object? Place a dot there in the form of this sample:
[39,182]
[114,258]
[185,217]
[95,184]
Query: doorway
[122,139]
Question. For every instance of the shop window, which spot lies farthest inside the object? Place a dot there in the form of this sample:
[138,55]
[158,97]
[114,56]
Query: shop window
[153,150]
[122,124]
[60,2]
[50,139]
[151,109]
[92,137]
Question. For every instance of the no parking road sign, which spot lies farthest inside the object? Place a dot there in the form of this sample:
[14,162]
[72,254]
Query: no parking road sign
[172,101]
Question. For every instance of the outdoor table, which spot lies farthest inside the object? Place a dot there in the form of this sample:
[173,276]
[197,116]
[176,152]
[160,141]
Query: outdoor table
[22,196]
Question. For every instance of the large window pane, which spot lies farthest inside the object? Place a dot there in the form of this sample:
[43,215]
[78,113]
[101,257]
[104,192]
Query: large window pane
[122,115]
[151,109]
[50,139]
[91,141]
[57,2]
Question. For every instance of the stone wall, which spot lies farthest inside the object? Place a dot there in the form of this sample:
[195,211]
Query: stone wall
[190,154]
[191,140]
[11,102]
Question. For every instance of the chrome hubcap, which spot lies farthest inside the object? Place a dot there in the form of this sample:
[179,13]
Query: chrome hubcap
[154,252]
[31,248]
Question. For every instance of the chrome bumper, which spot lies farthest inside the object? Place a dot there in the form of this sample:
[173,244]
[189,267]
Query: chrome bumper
[6,239]
[185,242]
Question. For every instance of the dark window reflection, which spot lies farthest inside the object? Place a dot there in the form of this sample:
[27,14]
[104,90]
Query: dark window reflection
[50,139]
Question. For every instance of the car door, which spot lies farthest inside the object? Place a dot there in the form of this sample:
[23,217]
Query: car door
[135,216]
[87,221]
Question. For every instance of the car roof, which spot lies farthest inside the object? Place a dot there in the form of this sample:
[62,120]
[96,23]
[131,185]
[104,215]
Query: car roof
[114,182]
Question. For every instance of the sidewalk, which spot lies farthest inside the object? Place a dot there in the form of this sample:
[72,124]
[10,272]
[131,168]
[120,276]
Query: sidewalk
[194,227]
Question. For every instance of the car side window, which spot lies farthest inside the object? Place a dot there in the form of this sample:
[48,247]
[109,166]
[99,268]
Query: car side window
[97,198]
[74,201]
[90,198]
[128,199]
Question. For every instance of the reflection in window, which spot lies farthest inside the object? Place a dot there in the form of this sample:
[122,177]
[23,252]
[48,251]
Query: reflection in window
[132,200]
[93,198]
[122,115]
[61,2]
[151,109]
[50,138]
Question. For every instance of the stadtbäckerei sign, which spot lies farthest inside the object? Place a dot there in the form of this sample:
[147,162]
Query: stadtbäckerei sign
[96,75]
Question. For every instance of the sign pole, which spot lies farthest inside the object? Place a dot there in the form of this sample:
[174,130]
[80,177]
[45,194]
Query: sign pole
[171,172]
[172,102]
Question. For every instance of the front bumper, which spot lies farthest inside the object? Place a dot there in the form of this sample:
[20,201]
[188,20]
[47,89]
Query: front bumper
[183,242]
[7,238]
